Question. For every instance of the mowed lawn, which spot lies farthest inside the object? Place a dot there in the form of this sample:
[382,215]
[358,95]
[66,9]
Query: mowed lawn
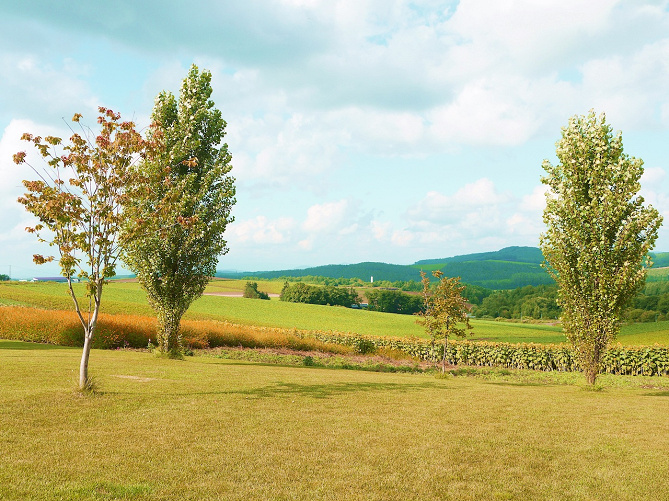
[128,298]
[206,428]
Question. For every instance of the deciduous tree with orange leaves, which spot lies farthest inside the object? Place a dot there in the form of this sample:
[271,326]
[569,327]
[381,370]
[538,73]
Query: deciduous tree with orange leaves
[78,200]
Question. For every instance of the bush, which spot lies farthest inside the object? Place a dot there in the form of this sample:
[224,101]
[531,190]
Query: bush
[251,291]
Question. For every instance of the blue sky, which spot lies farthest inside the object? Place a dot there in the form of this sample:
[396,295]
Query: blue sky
[361,130]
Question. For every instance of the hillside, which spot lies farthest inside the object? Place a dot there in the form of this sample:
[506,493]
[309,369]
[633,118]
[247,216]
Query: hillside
[660,259]
[513,254]
[507,268]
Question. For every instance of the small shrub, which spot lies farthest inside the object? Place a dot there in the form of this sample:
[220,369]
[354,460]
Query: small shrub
[365,346]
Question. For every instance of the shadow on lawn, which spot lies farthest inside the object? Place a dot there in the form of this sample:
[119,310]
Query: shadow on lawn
[22,345]
[658,394]
[329,390]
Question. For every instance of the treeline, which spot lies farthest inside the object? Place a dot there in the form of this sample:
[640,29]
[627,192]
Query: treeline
[651,305]
[540,302]
[535,302]
[324,295]
[394,301]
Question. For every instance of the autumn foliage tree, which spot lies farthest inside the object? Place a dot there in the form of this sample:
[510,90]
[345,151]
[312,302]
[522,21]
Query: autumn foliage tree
[78,201]
[444,309]
[180,206]
[598,234]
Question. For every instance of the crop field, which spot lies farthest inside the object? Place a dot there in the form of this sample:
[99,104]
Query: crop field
[210,428]
[128,298]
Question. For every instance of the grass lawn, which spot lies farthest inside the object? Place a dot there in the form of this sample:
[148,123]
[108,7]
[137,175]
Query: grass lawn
[128,298]
[207,428]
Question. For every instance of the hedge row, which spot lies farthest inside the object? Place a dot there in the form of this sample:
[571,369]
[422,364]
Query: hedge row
[648,361]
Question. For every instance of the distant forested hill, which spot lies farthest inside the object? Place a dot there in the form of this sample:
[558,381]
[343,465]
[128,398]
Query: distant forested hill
[363,271]
[513,254]
[507,268]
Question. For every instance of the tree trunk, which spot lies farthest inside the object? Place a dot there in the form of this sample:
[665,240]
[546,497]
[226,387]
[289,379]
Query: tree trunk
[443,359]
[169,334]
[83,366]
[591,363]
[590,375]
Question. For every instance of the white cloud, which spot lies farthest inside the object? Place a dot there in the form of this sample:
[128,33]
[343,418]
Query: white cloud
[327,217]
[465,203]
[652,177]
[402,238]
[33,87]
[260,230]
[379,230]
[535,202]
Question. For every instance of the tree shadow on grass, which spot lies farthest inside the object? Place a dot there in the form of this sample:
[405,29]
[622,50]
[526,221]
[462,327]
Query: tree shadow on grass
[658,394]
[23,345]
[329,390]
[516,383]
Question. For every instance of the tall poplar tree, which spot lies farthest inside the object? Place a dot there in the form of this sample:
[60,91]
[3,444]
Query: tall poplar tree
[178,213]
[598,234]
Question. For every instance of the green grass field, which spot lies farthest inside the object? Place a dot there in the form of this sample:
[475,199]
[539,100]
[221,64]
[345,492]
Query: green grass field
[128,298]
[207,428]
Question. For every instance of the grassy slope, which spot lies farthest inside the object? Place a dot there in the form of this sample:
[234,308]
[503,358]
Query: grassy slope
[658,274]
[206,428]
[124,297]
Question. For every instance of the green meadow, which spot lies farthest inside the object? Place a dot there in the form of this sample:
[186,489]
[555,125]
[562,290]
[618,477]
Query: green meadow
[128,298]
[210,428]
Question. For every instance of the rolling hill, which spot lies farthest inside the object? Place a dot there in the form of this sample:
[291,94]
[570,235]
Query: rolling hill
[507,268]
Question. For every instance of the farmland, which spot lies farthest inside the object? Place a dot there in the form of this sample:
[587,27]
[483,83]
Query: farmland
[128,298]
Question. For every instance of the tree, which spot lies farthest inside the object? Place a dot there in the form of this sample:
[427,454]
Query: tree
[393,301]
[78,201]
[3,277]
[598,234]
[314,294]
[178,213]
[444,308]
[251,291]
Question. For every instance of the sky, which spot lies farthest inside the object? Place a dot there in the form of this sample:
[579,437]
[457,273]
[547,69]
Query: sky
[360,130]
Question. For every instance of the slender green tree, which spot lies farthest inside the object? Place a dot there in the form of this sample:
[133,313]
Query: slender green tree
[177,215]
[598,234]
[78,200]
[443,309]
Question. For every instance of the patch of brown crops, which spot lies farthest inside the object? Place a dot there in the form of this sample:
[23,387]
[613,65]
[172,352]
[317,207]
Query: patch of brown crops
[134,331]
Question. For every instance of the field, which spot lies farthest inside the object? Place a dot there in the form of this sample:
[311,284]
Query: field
[207,428]
[128,298]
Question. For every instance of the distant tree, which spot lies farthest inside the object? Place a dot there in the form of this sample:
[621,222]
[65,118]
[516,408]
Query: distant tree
[390,301]
[178,213]
[3,277]
[444,308]
[312,294]
[78,201]
[524,302]
[598,234]
[251,291]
